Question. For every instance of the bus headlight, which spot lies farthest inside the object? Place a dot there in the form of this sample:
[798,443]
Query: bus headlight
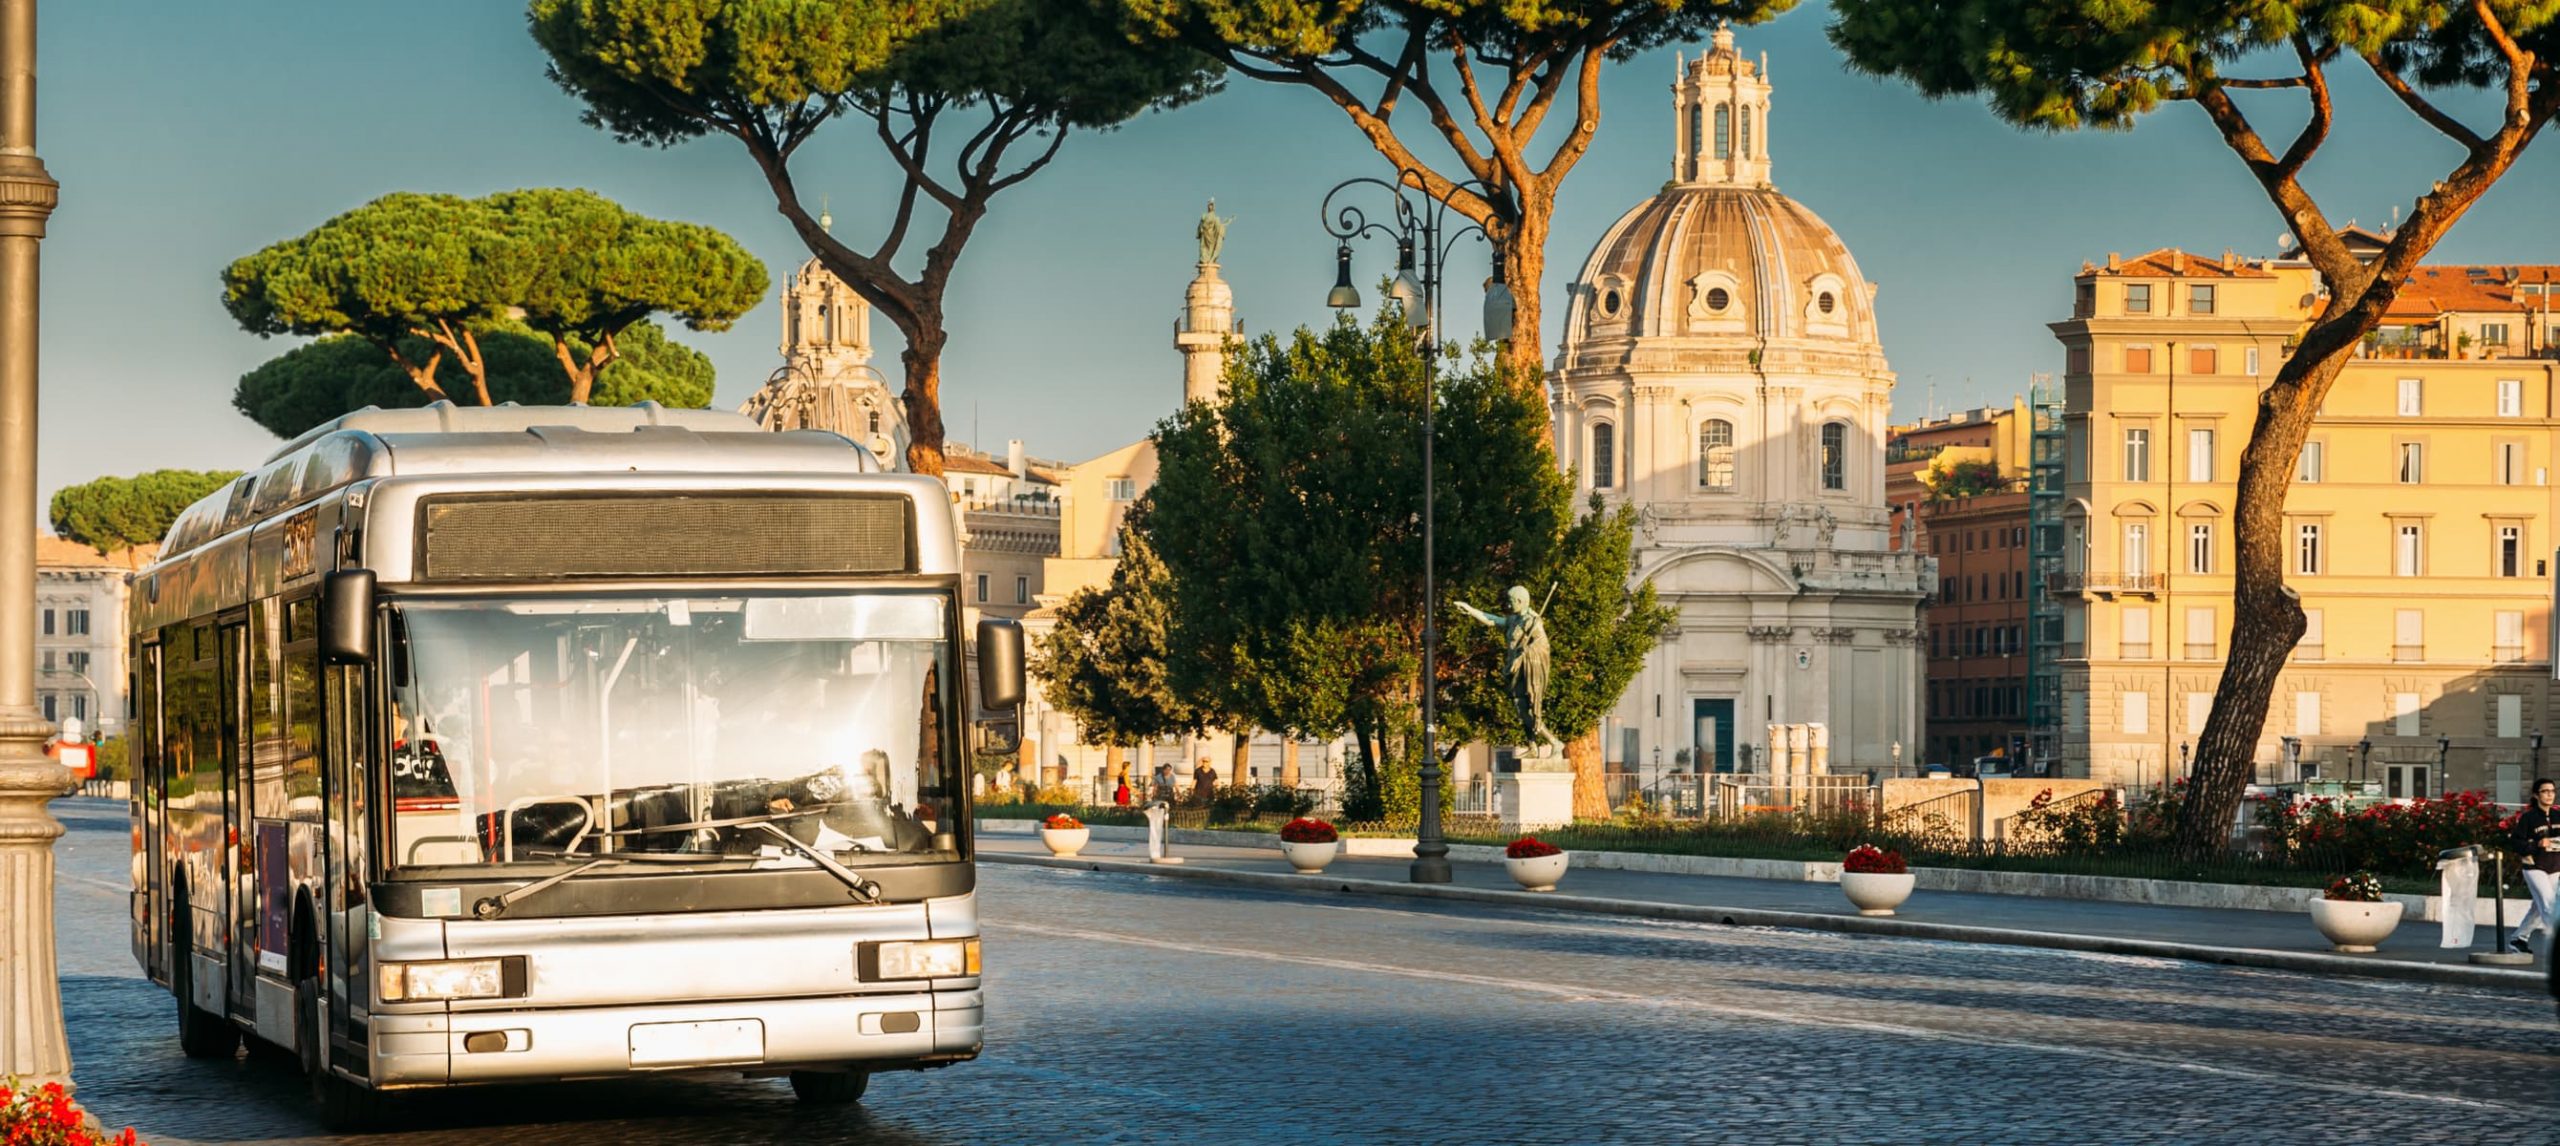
[450,979]
[919,959]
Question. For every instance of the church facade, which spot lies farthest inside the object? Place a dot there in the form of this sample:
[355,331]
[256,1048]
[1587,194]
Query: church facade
[826,380]
[1721,374]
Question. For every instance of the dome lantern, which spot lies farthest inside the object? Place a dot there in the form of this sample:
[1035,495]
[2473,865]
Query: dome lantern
[1723,120]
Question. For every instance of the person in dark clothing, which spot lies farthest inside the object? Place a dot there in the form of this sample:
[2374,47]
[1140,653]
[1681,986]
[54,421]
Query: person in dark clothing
[1164,782]
[2536,842]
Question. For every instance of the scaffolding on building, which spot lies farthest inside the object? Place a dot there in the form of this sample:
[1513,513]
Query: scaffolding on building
[2045,540]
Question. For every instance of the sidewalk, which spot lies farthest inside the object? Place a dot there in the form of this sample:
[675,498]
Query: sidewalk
[2276,940]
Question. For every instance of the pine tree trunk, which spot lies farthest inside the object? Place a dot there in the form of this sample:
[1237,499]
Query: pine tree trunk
[1590,782]
[1240,760]
[923,398]
[1289,763]
[1115,764]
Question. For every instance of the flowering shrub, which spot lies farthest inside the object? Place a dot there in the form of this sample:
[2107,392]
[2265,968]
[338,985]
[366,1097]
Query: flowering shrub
[46,1117]
[2081,825]
[2400,840]
[1305,831]
[1867,859]
[2361,887]
[1531,847]
[1062,822]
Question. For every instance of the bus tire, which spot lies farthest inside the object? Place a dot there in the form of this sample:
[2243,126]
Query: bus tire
[830,1087]
[201,1033]
[345,1107]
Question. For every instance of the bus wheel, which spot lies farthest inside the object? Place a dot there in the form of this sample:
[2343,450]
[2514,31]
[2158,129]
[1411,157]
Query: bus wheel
[345,1107]
[830,1087]
[201,1033]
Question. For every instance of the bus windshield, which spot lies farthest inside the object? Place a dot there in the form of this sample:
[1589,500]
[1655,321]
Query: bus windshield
[547,729]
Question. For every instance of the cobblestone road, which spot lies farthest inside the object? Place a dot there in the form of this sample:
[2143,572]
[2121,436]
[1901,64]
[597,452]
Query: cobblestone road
[1125,1010]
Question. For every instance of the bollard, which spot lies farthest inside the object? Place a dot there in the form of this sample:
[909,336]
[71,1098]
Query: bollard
[1160,834]
[2497,954]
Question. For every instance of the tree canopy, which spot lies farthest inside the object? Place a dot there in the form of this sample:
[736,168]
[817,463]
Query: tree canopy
[116,513]
[421,277]
[966,98]
[1488,76]
[322,379]
[1105,661]
[2058,65]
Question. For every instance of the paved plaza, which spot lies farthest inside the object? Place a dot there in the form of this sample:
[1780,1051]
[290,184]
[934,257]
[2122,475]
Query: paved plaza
[1127,1008]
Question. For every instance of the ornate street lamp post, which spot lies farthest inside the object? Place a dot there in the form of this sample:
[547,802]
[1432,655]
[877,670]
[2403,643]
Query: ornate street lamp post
[1422,253]
[31,1043]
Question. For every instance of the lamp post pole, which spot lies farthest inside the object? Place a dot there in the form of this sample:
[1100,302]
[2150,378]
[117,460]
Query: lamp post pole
[31,1042]
[1421,257]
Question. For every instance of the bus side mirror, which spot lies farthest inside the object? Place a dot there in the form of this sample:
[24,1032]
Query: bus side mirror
[346,617]
[1000,684]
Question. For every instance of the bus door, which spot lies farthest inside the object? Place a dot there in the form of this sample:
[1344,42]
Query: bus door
[232,702]
[347,769]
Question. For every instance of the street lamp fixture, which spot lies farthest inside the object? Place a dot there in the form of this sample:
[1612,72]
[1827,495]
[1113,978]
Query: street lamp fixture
[1422,254]
[2364,758]
[2537,754]
[2182,756]
[2444,748]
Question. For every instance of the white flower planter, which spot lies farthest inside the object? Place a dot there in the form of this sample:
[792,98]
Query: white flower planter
[1310,859]
[1065,841]
[2352,926]
[1538,873]
[1875,893]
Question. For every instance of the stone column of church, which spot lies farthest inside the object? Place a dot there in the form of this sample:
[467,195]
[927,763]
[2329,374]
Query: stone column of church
[1635,432]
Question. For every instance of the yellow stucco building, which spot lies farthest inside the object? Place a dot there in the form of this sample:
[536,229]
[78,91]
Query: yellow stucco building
[2418,530]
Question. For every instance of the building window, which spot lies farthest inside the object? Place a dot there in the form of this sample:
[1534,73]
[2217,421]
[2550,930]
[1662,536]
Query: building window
[2306,548]
[2137,360]
[2137,455]
[49,711]
[2510,398]
[2409,550]
[2202,359]
[2199,706]
[1746,132]
[2314,466]
[2200,633]
[2137,548]
[1604,455]
[2511,463]
[2137,298]
[2133,635]
[2313,645]
[2306,714]
[48,629]
[1835,455]
[78,660]
[2200,547]
[1022,590]
[2249,361]
[1724,131]
[2413,463]
[2200,299]
[2509,645]
[2200,456]
[2408,635]
[2493,334]
[2510,715]
[2510,551]
[982,588]
[2076,360]
[874,418]
[1715,455]
[80,705]
[76,622]
[2404,714]
[1697,136]
[2412,397]
[2137,713]
[1124,489]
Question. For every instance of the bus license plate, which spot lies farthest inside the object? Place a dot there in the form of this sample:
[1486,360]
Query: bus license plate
[687,1044]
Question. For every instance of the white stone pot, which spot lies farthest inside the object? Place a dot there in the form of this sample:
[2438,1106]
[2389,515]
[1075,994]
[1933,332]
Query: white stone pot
[1310,859]
[2352,926]
[1538,873]
[1875,893]
[1065,841]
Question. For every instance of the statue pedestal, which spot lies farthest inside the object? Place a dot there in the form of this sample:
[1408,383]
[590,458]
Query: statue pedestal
[1537,797]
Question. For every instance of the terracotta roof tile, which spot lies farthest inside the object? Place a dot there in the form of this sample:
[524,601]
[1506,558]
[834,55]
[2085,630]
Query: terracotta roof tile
[62,552]
[2437,290]
[2170,262]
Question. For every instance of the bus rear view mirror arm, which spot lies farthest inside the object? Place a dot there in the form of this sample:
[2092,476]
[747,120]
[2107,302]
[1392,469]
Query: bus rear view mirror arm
[346,616]
[1000,684]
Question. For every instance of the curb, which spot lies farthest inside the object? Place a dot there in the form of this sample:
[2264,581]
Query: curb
[2318,963]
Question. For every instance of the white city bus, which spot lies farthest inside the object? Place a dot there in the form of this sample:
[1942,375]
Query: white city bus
[518,744]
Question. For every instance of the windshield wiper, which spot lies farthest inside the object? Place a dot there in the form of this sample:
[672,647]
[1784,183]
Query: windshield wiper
[494,906]
[863,889]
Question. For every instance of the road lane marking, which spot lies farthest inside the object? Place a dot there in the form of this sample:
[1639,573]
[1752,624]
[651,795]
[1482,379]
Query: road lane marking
[1582,993]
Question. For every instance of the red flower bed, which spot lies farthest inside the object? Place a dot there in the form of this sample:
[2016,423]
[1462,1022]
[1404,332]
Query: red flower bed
[1305,831]
[1062,822]
[2398,840]
[1867,859]
[1531,847]
[46,1117]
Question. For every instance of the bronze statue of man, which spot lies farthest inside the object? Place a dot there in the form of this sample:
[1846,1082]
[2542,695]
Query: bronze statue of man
[1524,662]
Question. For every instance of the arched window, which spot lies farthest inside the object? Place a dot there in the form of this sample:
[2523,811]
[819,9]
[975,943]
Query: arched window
[1835,455]
[875,421]
[1697,137]
[1715,456]
[827,321]
[1746,132]
[1724,131]
[1604,455]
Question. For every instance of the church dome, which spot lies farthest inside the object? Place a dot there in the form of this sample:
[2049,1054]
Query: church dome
[1719,259]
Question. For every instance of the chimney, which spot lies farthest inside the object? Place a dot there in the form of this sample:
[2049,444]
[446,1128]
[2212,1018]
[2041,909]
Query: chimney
[2177,262]
[1013,459]
[2230,259]
[2115,262]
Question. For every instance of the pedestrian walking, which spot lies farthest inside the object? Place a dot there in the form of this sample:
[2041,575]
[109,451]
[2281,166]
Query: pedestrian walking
[2536,842]
[1120,795]
[1164,782]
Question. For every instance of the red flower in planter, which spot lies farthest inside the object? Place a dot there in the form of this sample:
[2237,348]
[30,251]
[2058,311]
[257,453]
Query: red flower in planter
[46,1117]
[1062,822]
[1306,831]
[1531,847]
[1867,859]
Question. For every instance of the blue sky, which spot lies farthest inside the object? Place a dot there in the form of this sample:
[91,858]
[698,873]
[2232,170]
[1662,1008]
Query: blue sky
[187,134]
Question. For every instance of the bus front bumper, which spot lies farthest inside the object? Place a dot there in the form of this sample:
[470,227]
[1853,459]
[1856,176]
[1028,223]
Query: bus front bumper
[758,1035]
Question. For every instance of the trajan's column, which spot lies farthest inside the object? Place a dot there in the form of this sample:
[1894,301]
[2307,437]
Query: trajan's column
[31,1043]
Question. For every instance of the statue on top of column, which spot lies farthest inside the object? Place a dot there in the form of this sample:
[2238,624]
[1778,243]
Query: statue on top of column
[1212,232]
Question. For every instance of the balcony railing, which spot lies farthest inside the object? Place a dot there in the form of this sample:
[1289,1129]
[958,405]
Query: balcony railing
[2103,584]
